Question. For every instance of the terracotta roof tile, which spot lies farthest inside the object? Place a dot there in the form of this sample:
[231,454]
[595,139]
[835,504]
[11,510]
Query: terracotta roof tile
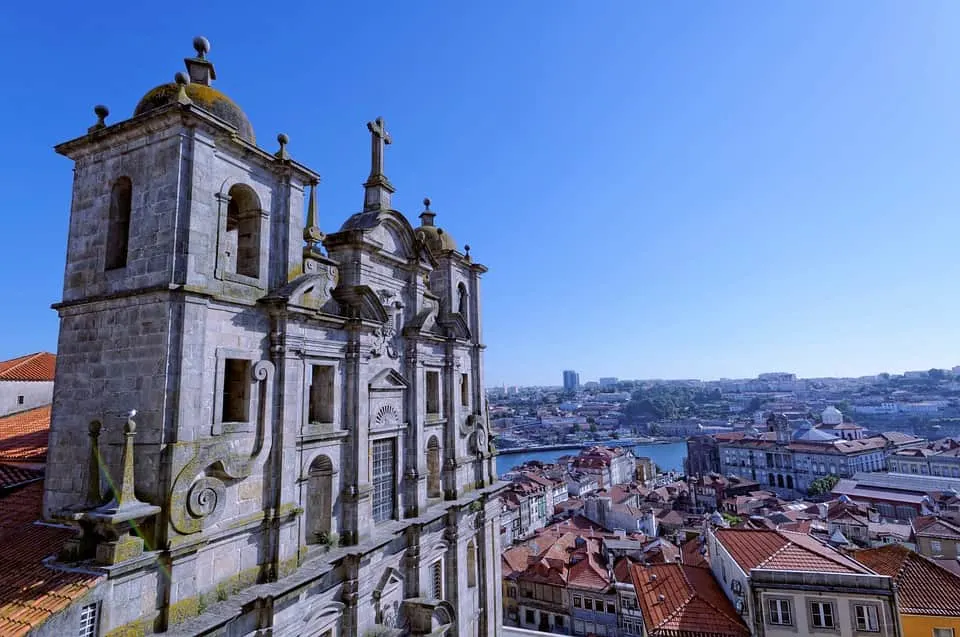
[24,435]
[679,599]
[783,550]
[923,587]
[12,477]
[32,367]
[30,592]
[932,526]
[692,556]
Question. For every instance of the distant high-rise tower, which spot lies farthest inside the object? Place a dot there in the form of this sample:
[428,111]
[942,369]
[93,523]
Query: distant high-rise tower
[571,380]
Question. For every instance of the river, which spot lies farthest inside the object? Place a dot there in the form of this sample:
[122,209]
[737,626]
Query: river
[668,456]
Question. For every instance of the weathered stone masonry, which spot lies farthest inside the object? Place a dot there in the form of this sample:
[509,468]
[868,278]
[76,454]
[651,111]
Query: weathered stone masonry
[291,426]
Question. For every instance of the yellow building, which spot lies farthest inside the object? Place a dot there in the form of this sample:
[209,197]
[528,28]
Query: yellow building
[928,595]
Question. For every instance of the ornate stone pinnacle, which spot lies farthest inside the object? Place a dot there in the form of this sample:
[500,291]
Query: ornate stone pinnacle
[182,80]
[126,495]
[101,112]
[466,250]
[311,233]
[283,140]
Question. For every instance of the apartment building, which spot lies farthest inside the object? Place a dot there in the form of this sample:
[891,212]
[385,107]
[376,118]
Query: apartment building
[785,584]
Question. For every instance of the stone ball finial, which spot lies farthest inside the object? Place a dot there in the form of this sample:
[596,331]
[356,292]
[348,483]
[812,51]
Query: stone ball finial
[426,203]
[94,427]
[466,247]
[283,139]
[202,46]
[101,111]
[181,78]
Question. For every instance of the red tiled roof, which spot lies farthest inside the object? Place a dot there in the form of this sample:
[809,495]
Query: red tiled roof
[923,587]
[24,435]
[932,526]
[32,367]
[30,592]
[679,599]
[690,550]
[783,550]
[11,476]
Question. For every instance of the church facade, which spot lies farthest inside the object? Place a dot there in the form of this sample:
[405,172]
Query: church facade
[258,427]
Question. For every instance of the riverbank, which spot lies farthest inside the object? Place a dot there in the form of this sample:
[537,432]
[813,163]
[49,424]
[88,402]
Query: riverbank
[668,456]
[629,442]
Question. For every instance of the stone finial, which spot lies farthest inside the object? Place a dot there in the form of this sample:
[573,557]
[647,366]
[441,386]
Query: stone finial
[102,112]
[466,250]
[311,233]
[426,217]
[283,140]
[377,187]
[182,80]
[126,495]
[202,46]
[94,493]
[200,68]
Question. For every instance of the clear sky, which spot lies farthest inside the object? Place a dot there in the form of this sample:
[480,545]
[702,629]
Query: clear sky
[660,189]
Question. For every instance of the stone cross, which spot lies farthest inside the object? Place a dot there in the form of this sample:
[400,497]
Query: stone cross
[378,138]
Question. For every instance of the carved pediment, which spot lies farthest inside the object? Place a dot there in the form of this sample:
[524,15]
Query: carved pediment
[310,289]
[388,380]
[361,302]
[456,326]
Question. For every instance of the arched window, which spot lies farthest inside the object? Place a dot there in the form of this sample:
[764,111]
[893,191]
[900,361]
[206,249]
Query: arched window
[242,242]
[320,501]
[779,480]
[773,480]
[433,468]
[462,305]
[471,564]
[118,228]
[789,482]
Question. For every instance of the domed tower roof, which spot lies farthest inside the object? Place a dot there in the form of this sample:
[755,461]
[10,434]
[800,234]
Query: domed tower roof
[201,93]
[435,237]
[832,416]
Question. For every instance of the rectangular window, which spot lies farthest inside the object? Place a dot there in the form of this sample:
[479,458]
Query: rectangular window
[321,393]
[943,632]
[433,393]
[587,603]
[611,608]
[578,627]
[821,614]
[464,390]
[384,479]
[512,592]
[577,601]
[601,630]
[236,390]
[530,616]
[19,400]
[936,547]
[867,618]
[436,572]
[89,620]
[778,612]
[558,621]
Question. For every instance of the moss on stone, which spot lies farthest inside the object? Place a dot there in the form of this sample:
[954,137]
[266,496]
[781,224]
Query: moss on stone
[137,628]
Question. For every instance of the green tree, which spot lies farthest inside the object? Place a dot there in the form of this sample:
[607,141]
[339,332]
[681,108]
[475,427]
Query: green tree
[576,428]
[593,427]
[823,485]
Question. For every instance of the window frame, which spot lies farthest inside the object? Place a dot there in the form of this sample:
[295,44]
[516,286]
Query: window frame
[89,627]
[813,615]
[857,607]
[224,273]
[386,479]
[219,425]
[781,604]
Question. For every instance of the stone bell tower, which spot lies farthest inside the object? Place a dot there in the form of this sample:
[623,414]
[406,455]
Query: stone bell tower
[243,399]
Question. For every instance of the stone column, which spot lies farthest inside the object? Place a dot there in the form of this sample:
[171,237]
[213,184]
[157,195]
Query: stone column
[357,510]
[415,489]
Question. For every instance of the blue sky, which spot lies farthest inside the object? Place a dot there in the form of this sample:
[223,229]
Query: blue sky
[672,190]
